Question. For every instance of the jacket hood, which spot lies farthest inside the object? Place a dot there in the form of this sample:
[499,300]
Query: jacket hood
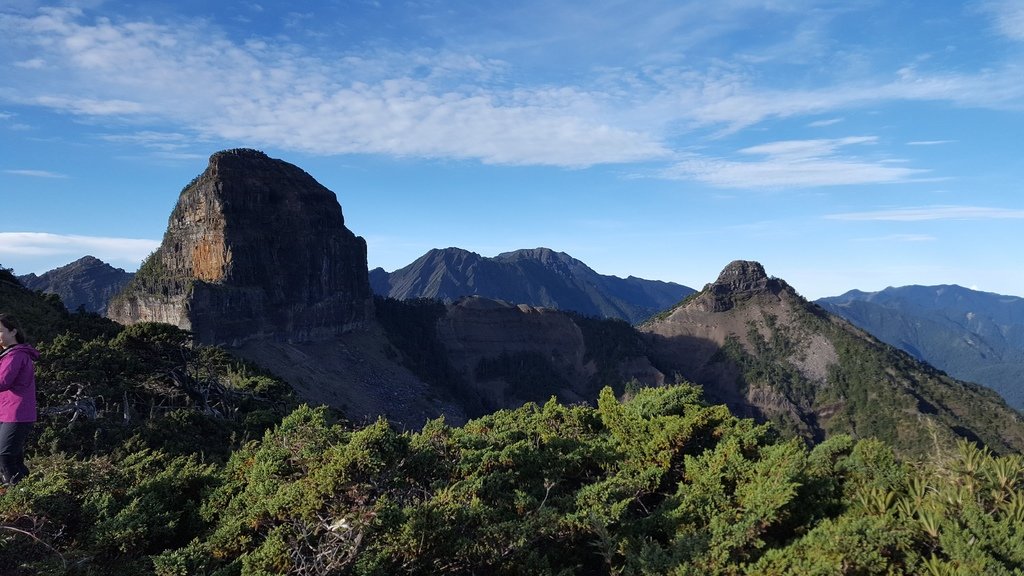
[22,349]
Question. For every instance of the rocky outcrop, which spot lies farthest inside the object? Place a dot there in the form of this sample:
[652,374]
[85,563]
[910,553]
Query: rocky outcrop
[739,280]
[254,248]
[87,283]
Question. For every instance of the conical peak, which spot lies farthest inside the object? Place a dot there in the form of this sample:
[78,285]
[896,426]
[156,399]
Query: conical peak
[738,281]
[742,275]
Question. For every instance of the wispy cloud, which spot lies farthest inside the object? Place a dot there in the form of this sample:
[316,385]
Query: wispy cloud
[794,164]
[740,103]
[923,213]
[929,142]
[131,250]
[33,63]
[460,102]
[265,93]
[36,173]
[1008,16]
[166,142]
[90,106]
[823,123]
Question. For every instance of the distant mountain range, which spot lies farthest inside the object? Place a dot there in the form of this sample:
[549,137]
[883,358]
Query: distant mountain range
[87,283]
[257,259]
[971,335]
[537,277]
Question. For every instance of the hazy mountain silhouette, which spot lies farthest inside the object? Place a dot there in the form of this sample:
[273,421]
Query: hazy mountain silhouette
[536,277]
[972,335]
[87,283]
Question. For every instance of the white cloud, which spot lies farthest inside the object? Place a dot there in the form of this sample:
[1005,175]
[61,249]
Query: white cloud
[923,213]
[267,93]
[130,251]
[929,142]
[823,123]
[90,106]
[806,149]
[32,63]
[35,173]
[735,103]
[446,103]
[1008,16]
[794,164]
[168,142]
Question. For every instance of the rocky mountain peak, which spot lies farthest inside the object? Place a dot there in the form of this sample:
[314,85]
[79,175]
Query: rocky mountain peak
[738,280]
[254,247]
[742,275]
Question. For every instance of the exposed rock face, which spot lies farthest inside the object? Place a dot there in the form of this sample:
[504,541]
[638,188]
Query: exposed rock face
[255,247]
[87,283]
[740,279]
[690,338]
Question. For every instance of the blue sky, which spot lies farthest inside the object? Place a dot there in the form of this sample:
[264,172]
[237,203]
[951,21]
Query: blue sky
[859,144]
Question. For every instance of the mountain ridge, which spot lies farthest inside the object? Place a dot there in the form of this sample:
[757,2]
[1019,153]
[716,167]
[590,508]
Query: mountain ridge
[756,345]
[972,335]
[87,283]
[536,277]
[257,258]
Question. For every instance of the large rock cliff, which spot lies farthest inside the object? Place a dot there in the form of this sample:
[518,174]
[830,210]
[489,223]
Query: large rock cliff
[254,248]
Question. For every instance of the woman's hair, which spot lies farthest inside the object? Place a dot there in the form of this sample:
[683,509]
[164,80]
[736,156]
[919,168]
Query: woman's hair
[11,324]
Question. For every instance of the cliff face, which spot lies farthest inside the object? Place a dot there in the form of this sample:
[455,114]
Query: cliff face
[255,247]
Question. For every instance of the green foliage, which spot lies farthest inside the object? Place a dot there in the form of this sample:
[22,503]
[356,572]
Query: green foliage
[768,365]
[149,387]
[179,460]
[658,484]
[102,512]
[151,276]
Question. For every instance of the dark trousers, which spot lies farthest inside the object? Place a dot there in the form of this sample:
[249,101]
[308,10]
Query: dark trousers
[12,451]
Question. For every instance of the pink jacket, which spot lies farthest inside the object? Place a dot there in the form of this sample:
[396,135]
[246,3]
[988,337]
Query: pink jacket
[18,383]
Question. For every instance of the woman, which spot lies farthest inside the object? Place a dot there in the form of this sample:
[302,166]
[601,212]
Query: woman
[17,398]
